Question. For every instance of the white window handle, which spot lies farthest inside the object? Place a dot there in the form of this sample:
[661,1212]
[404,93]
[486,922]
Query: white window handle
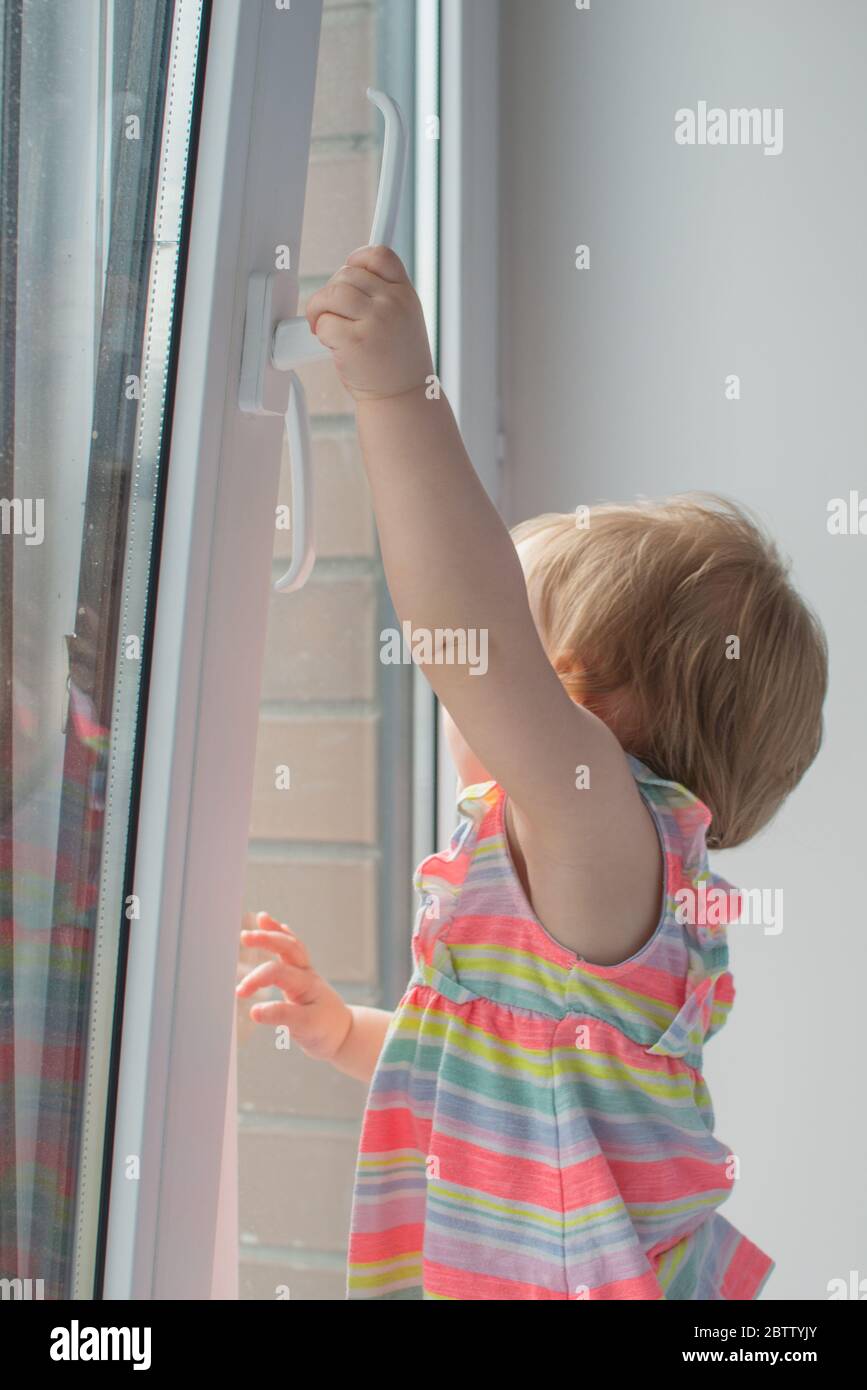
[293,340]
[273,345]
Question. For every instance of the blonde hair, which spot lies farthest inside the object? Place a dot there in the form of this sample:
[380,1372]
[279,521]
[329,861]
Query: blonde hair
[638,612]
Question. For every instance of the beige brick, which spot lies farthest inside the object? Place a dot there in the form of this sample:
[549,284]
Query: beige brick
[322,643]
[275,1081]
[347,57]
[296,1189]
[332,906]
[342,515]
[332,796]
[260,1281]
[338,210]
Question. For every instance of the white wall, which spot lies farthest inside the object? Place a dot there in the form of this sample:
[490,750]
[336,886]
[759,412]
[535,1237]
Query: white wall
[704,262]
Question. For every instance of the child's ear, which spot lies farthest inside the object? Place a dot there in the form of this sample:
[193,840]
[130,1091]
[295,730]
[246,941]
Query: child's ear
[571,674]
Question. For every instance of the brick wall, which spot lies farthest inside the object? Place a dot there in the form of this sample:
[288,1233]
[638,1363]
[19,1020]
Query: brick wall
[315,850]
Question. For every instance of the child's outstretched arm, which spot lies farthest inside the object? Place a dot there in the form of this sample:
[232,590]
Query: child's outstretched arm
[449,559]
[451,564]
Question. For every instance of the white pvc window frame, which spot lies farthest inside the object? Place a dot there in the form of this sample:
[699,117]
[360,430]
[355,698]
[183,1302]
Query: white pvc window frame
[209,636]
[172,179]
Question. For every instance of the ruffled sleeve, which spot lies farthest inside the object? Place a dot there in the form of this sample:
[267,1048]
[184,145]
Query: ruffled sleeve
[440,877]
[701,904]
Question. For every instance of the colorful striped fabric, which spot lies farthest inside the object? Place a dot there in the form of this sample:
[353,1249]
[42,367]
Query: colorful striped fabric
[49,895]
[538,1127]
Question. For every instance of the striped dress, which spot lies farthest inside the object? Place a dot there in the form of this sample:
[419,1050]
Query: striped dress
[538,1127]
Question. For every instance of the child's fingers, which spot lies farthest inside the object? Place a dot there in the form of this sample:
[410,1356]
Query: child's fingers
[265,921]
[296,983]
[363,280]
[289,949]
[337,297]
[334,331]
[274,1011]
[381,261]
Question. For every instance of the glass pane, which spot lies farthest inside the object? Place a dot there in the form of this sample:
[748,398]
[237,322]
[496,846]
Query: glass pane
[331,852]
[97,104]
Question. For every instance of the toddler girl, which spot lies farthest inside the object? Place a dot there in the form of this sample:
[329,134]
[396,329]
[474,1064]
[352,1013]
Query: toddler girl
[537,1124]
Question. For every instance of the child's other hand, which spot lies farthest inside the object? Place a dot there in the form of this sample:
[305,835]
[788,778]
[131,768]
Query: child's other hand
[370,316]
[316,1016]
